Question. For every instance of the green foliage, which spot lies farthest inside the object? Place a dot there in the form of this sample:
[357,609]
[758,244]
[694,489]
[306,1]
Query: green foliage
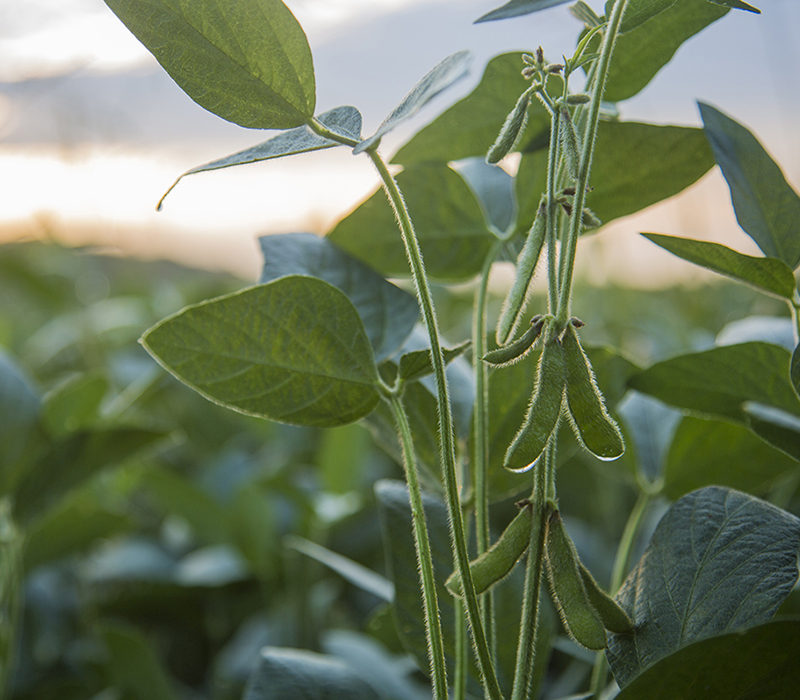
[249,63]
[697,584]
[298,339]
[767,208]
[172,548]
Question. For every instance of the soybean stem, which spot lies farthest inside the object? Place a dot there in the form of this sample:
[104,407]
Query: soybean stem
[480,425]
[526,646]
[582,181]
[446,433]
[433,627]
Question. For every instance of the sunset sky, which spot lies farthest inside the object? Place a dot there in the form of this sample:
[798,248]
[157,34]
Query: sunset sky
[92,131]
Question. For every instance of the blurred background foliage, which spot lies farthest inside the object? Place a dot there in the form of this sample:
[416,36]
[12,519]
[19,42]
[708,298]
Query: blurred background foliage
[165,540]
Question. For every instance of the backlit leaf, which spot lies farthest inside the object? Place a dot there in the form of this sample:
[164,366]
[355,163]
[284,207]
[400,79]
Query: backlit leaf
[642,52]
[471,125]
[719,561]
[437,79]
[293,350]
[765,274]
[343,120]
[517,8]
[767,208]
[248,62]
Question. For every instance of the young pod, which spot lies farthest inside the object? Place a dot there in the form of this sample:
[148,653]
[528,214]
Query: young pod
[544,411]
[594,428]
[511,130]
[509,354]
[580,619]
[613,617]
[514,303]
[570,144]
[498,561]
[589,219]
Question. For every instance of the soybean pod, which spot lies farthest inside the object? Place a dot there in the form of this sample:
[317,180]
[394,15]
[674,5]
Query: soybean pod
[543,413]
[498,561]
[509,354]
[580,619]
[594,428]
[613,617]
[570,144]
[511,131]
[514,304]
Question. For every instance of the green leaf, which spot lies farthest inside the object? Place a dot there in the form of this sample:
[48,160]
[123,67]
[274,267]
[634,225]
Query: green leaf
[768,275]
[636,165]
[417,364]
[518,8]
[778,428]
[449,222]
[760,662]
[352,571]
[70,461]
[73,405]
[293,350]
[471,125]
[767,208]
[387,312]
[439,78]
[718,381]
[131,665]
[641,53]
[737,5]
[295,674]
[494,189]
[529,185]
[639,11]
[719,561]
[19,417]
[706,452]
[343,120]
[248,62]
[72,526]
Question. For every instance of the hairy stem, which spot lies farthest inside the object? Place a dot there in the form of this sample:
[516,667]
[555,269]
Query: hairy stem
[433,627]
[582,181]
[526,646]
[550,236]
[446,432]
[480,432]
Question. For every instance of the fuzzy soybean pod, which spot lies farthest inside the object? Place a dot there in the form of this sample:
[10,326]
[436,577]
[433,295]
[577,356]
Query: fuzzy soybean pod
[509,354]
[498,561]
[514,304]
[594,428]
[613,617]
[511,131]
[544,411]
[570,144]
[580,619]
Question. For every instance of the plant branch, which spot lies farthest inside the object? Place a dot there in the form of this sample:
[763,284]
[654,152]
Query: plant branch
[480,431]
[582,181]
[446,432]
[433,627]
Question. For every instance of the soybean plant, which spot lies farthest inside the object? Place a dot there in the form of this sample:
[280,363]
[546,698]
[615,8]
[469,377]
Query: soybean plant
[325,340]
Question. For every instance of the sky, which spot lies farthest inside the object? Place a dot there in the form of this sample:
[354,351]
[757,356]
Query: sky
[92,131]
